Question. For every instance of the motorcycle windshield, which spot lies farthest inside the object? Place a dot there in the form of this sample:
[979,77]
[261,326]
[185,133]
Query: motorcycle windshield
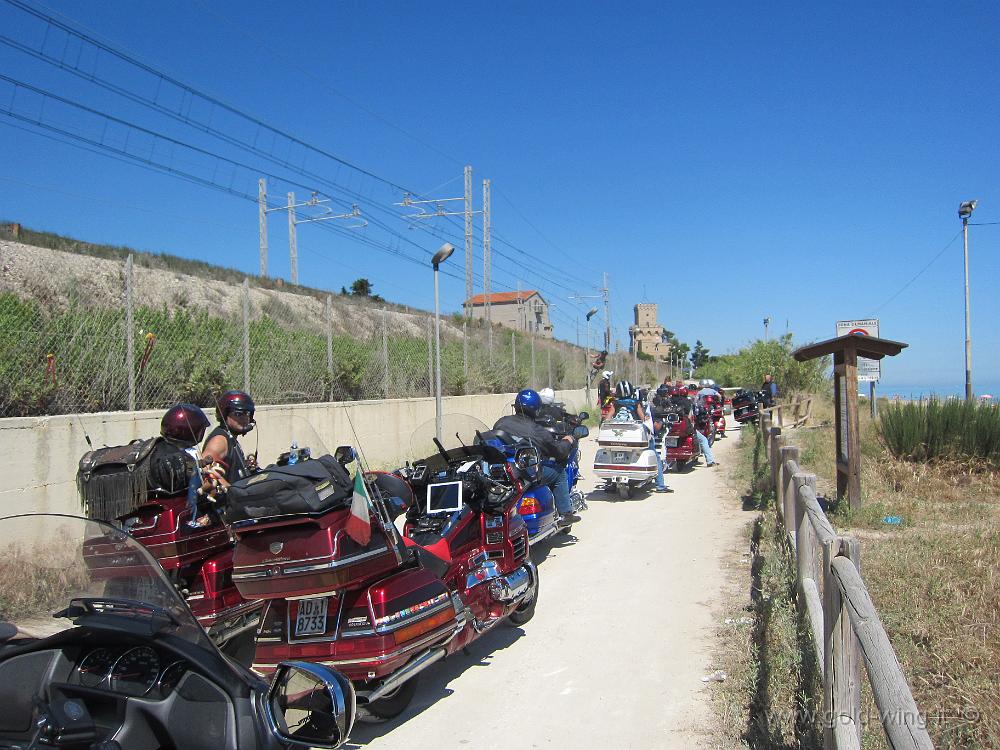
[458,438]
[283,432]
[58,572]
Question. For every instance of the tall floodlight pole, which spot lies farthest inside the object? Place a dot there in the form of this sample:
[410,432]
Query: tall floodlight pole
[964,212]
[262,220]
[439,257]
[607,315]
[767,322]
[486,266]
[293,243]
[468,238]
[590,371]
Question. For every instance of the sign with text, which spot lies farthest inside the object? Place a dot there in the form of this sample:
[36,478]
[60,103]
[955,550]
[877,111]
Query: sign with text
[869,370]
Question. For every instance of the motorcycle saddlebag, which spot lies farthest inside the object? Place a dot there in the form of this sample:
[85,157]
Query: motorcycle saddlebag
[313,486]
[113,481]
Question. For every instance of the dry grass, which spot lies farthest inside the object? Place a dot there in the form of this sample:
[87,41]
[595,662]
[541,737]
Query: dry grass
[33,586]
[933,577]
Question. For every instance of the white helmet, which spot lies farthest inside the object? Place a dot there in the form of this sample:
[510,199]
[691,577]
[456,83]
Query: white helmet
[607,374]
[548,395]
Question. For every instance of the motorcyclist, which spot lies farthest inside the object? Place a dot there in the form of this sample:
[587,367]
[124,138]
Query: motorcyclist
[549,408]
[627,397]
[174,463]
[234,410]
[659,405]
[604,388]
[522,424]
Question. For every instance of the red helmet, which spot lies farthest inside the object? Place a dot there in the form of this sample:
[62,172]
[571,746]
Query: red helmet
[185,423]
[236,404]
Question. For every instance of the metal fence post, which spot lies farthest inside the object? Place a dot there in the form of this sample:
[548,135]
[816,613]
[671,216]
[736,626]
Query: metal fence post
[329,344]
[129,333]
[534,380]
[430,360]
[550,384]
[246,335]
[513,354]
[465,350]
[385,352]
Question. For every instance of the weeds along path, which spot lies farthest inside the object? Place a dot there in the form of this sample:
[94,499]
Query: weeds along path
[614,656]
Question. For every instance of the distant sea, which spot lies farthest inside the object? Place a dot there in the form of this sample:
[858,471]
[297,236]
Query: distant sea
[991,387]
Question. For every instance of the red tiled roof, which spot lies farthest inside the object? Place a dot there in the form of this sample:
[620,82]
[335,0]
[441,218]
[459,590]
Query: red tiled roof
[499,298]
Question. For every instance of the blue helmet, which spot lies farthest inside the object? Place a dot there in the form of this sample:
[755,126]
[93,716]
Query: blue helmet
[527,402]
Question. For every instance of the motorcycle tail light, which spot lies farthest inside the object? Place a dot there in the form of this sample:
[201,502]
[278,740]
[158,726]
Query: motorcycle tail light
[424,626]
[529,506]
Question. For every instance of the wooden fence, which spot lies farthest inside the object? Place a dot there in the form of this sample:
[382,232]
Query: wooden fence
[832,598]
[796,413]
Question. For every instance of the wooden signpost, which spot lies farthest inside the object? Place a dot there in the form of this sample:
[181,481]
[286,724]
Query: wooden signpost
[845,351]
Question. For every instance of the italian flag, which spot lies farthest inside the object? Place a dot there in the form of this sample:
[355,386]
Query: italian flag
[359,525]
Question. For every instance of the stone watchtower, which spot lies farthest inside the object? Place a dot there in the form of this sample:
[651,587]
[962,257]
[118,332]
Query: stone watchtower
[647,334]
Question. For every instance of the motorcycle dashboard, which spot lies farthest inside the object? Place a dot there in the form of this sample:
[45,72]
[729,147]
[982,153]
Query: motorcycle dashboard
[136,671]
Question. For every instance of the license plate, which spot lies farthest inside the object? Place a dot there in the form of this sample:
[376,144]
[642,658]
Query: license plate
[311,619]
[621,457]
[670,442]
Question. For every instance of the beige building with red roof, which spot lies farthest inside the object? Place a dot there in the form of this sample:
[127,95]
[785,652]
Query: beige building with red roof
[523,311]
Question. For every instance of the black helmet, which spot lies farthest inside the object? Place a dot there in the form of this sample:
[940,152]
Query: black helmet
[184,423]
[625,389]
[236,404]
[663,390]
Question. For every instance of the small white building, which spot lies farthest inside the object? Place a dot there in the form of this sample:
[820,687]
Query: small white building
[522,311]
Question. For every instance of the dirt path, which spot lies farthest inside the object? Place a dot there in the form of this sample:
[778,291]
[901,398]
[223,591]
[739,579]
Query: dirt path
[622,636]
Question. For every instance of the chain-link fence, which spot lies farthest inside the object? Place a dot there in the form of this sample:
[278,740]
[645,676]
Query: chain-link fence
[164,338]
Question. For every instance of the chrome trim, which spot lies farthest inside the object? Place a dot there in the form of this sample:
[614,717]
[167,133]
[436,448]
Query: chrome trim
[413,668]
[293,570]
[488,570]
[383,658]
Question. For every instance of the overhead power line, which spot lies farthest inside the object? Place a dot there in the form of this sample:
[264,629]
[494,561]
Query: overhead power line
[918,274]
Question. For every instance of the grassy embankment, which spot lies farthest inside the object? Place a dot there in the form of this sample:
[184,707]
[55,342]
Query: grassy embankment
[933,576]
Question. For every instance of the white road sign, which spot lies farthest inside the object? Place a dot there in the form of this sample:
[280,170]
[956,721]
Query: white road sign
[868,369]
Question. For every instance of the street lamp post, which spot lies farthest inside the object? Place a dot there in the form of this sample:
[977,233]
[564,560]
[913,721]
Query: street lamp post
[439,257]
[964,212]
[590,372]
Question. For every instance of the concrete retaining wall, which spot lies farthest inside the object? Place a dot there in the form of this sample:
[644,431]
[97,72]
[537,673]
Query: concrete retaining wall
[41,453]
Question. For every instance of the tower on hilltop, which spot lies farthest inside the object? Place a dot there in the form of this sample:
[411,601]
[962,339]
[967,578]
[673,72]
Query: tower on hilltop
[646,334]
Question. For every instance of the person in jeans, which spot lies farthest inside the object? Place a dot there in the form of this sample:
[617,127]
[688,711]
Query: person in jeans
[522,424]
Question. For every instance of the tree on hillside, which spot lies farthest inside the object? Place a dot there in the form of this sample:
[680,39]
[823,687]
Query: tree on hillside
[700,355]
[363,288]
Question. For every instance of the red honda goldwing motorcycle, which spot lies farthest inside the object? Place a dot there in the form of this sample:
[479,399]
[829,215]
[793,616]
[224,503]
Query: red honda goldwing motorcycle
[716,411]
[383,611]
[198,560]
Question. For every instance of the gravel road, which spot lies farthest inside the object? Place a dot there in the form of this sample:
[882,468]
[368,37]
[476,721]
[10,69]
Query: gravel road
[614,655]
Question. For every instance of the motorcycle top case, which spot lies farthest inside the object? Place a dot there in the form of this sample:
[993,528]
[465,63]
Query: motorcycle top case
[313,486]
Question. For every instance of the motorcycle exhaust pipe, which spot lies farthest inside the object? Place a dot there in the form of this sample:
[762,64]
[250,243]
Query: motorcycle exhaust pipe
[412,669]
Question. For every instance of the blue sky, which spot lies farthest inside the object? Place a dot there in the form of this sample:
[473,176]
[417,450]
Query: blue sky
[803,162]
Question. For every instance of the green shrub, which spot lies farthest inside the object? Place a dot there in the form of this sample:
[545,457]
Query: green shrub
[935,429]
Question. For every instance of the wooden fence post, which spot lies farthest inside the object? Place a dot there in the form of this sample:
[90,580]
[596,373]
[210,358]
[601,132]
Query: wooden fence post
[788,453]
[841,672]
[774,457]
[808,603]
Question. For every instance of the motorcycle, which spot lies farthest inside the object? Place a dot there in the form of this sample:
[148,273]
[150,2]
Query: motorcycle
[538,506]
[624,459]
[198,560]
[99,650]
[715,405]
[383,611]
[746,406]
[679,443]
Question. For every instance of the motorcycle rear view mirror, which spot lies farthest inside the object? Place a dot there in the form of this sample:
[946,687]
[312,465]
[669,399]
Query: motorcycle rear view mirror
[310,705]
[345,454]
[527,458]
[580,432]
[583,416]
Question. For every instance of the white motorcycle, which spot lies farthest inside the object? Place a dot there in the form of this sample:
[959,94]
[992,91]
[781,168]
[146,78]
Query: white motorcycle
[624,459]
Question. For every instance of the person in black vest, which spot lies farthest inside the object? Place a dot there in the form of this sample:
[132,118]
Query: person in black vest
[234,410]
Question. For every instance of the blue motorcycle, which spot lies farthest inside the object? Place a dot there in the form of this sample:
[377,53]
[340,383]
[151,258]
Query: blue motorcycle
[538,506]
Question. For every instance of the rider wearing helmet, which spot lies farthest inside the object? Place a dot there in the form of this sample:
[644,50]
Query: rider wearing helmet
[174,465]
[521,424]
[604,388]
[234,410]
[627,397]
